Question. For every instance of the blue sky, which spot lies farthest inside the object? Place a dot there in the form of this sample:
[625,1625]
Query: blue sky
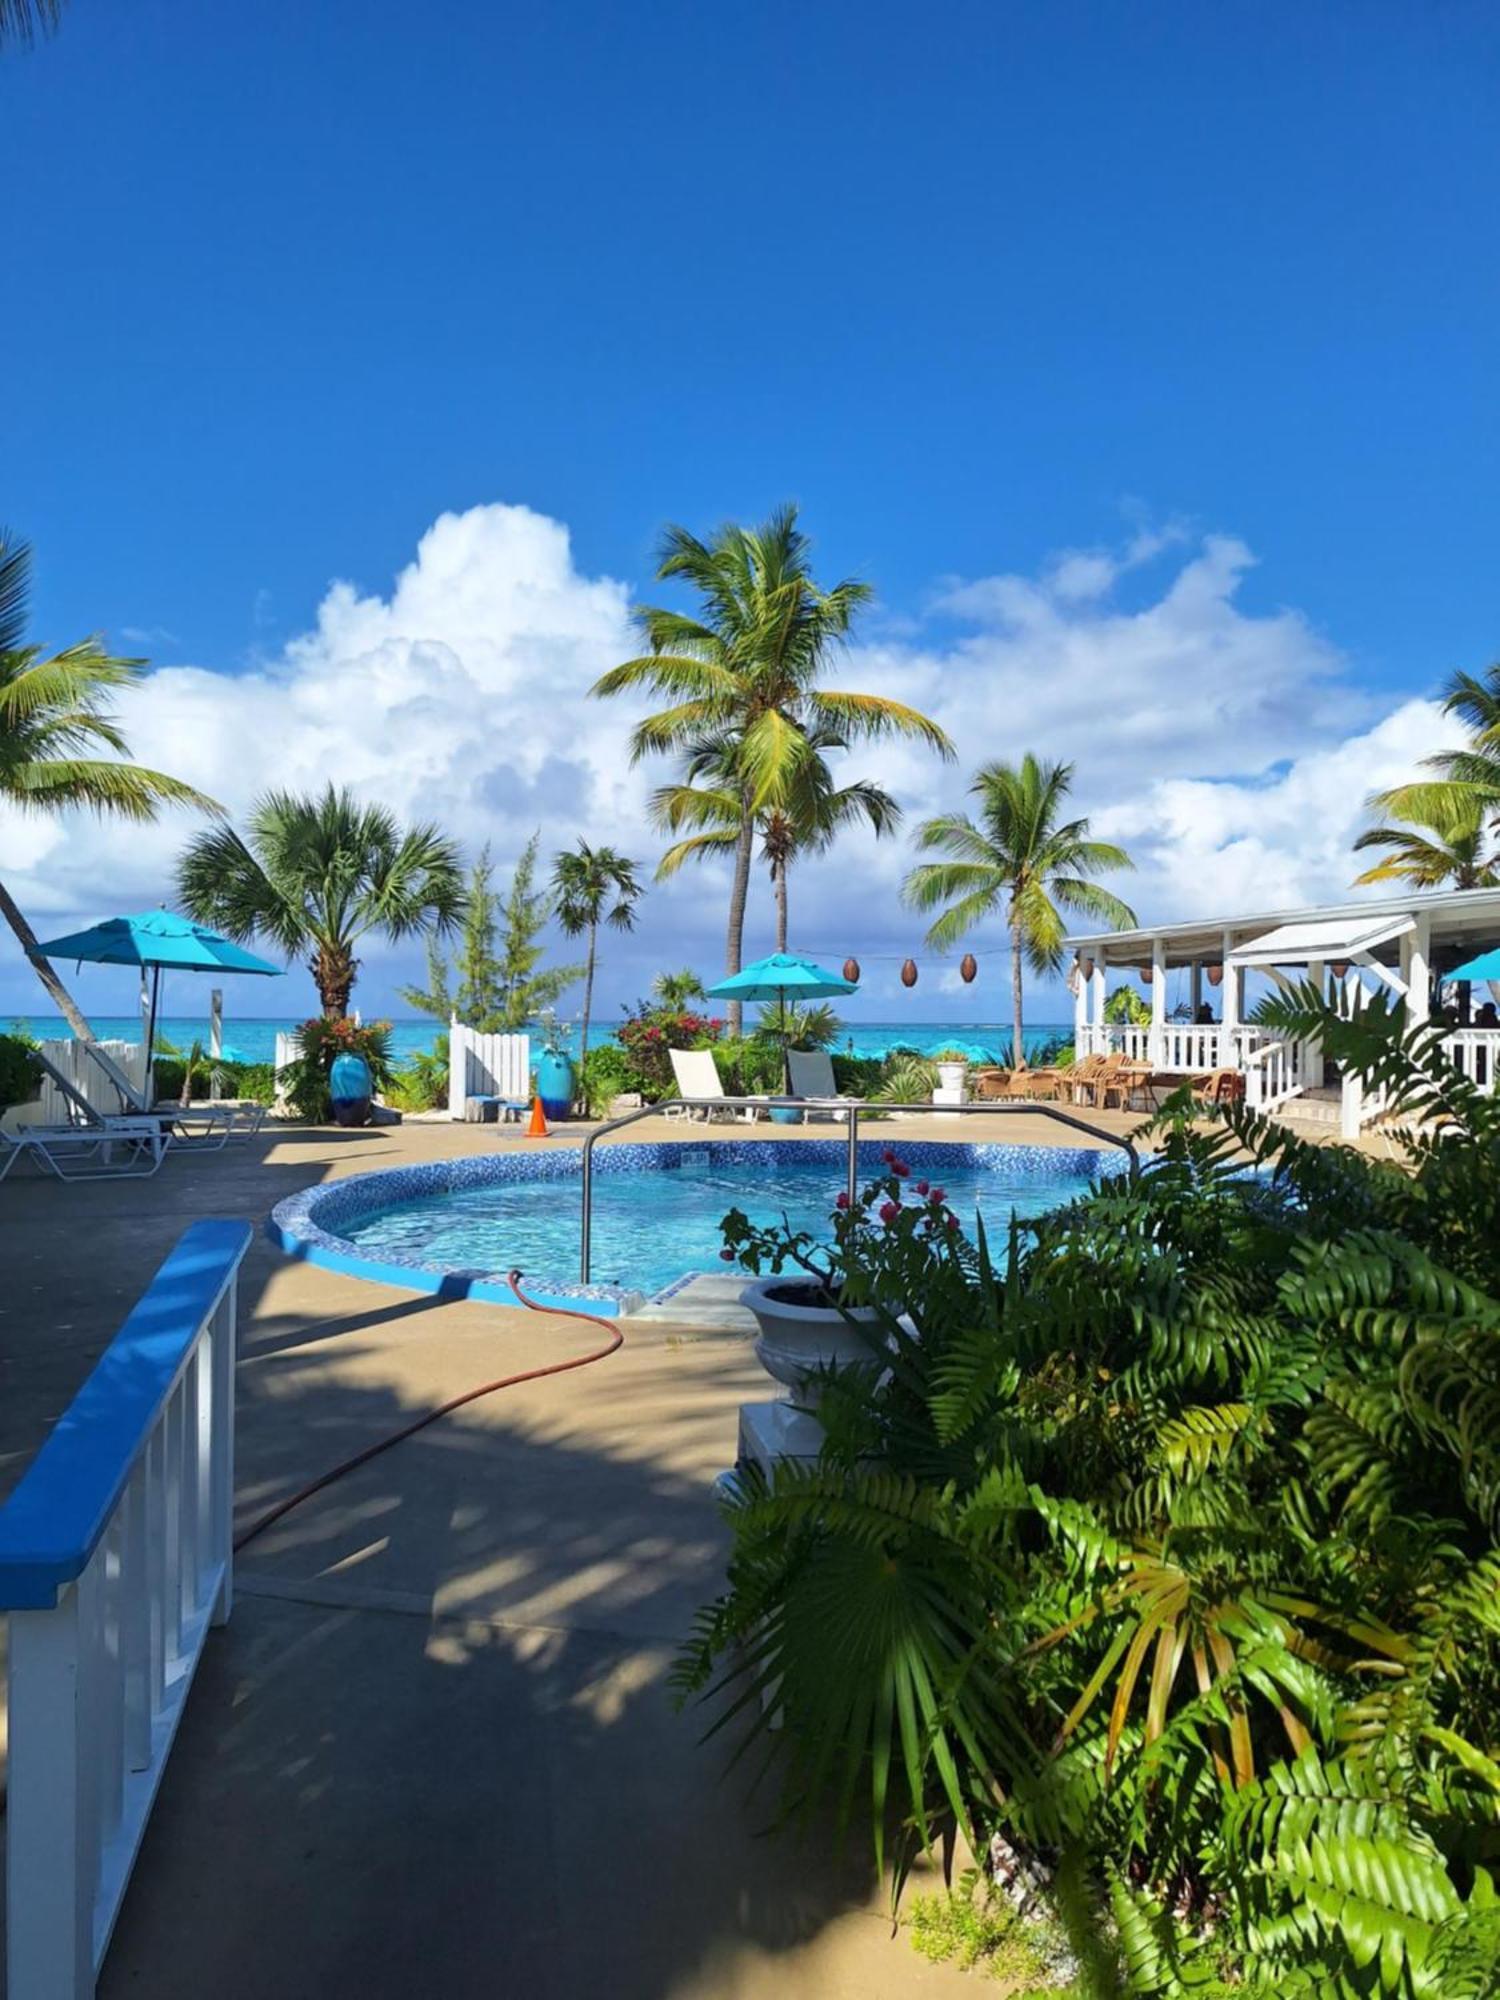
[976,285]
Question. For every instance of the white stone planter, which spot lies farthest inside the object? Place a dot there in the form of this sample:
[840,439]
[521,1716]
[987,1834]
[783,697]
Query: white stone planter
[797,1338]
[951,1077]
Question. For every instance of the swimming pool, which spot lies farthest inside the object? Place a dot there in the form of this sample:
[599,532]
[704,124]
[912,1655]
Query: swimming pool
[457,1226]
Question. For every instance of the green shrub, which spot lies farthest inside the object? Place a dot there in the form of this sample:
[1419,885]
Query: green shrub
[1167,1539]
[858,1076]
[607,1073]
[421,1084]
[751,1066]
[20,1072]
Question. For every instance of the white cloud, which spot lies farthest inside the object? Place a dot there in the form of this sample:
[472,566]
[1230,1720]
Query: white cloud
[1229,748]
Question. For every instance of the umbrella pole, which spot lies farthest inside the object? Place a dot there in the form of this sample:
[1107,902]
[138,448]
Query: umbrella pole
[146,1083]
[786,1061]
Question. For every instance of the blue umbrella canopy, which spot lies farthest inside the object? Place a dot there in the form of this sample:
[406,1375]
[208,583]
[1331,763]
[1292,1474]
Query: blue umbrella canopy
[163,941]
[782,973]
[1486,966]
[158,938]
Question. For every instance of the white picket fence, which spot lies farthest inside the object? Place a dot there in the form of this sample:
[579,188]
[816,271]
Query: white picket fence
[486,1066]
[115,1559]
[93,1084]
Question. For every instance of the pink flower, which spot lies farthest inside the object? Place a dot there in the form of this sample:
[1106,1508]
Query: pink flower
[888,1155]
[937,1194]
[889,1210]
[842,1202]
[727,1255]
[900,1169]
[921,1186]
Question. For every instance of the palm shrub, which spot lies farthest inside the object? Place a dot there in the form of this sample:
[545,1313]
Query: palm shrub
[1164,1543]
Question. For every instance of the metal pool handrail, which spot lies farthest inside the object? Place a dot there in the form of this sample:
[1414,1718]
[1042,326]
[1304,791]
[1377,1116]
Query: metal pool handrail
[842,1108]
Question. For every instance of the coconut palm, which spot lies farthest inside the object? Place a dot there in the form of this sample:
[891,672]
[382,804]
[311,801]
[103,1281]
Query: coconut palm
[593,886]
[746,671]
[1468,778]
[21,21]
[53,712]
[805,818]
[1436,849]
[676,991]
[1022,857]
[316,875]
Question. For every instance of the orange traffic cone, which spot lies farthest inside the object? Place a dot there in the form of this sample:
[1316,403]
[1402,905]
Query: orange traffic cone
[537,1129]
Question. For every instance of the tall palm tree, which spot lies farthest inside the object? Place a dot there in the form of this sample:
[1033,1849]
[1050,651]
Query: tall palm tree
[1465,779]
[316,875]
[21,21]
[593,886]
[804,818]
[1436,849]
[746,669]
[53,711]
[1020,856]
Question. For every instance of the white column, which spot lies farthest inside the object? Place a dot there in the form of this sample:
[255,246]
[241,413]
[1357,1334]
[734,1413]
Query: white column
[1229,1010]
[1097,995]
[1416,967]
[1080,1014]
[216,1022]
[1159,1002]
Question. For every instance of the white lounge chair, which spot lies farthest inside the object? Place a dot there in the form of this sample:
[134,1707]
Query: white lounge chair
[698,1078]
[810,1072]
[205,1125]
[111,1150]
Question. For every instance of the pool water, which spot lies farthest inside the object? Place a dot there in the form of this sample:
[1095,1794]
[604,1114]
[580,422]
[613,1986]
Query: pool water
[653,1225]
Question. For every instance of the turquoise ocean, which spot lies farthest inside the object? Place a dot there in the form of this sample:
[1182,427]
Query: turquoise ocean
[249,1040]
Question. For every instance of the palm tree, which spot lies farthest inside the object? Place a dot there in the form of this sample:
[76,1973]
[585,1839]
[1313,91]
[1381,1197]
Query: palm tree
[593,885]
[804,819]
[1467,778]
[53,710]
[1436,849]
[1019,855]
[319,874]
[22,20]
[675,990]
[746,670]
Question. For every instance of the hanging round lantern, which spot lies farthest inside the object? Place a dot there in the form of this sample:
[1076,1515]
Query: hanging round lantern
[1145,972]
[968,966]
[909,973]
[1216,975]
[1341,968]
[851,971]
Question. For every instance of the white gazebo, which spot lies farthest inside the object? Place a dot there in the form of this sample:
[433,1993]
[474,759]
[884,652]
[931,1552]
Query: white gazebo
[1407,944]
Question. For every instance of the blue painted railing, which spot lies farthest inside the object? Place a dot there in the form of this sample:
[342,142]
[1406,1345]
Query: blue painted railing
[115,1559]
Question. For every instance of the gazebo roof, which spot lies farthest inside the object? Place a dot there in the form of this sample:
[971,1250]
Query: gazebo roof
[1461,919]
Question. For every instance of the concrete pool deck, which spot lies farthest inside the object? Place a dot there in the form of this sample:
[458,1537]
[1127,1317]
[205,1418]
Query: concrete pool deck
[435,1750]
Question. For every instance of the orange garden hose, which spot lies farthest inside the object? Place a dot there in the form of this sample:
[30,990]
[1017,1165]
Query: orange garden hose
[337,1472]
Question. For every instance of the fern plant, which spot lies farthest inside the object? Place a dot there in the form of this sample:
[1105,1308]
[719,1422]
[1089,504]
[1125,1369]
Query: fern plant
[1165,1534]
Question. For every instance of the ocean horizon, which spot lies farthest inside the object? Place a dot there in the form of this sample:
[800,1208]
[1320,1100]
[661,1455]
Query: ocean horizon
[253,1039]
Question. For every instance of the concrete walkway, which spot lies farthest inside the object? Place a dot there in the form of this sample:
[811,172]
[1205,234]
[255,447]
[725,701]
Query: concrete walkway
[435,1750]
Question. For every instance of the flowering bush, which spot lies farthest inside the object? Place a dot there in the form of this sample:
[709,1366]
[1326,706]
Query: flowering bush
[649,1035]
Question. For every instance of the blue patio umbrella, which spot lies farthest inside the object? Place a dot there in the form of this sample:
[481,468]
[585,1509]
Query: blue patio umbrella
[1486,966]
[162,941]
[773,978]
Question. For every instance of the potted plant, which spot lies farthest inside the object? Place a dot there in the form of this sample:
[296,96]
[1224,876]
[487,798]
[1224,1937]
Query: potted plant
[554,1069]
[952,1071]
[825,1306]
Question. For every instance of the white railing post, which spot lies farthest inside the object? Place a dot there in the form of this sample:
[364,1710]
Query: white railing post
[49,1898]
[224,1335]
[114,1560]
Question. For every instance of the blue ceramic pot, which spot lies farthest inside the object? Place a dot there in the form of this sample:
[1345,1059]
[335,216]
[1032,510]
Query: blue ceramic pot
[785,1114]
[554,1082]
[351,1085]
